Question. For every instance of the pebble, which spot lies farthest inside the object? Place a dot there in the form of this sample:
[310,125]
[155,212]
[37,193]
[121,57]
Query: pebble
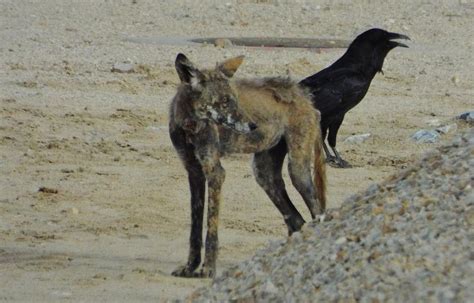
[158,128]
[426,136]
[61,294]
[467,116]
[408,251]
[357,139]
[433,122]
[451,128]
[455,79]
[48,190]
[123,68]
[341,241]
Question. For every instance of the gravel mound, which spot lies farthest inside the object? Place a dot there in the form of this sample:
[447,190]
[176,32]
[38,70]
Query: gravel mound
[408,239]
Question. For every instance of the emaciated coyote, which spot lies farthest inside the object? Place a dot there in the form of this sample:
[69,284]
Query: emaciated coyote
[212,115]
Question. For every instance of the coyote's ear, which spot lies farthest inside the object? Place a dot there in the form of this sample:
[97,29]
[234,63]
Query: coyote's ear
[187,72]
[230,66]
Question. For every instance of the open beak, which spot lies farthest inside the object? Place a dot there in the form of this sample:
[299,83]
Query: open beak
[393,36]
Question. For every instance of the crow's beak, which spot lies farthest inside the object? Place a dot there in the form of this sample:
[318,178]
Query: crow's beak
[393,36]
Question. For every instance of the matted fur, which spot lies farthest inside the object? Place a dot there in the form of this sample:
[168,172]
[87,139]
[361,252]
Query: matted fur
[284,88]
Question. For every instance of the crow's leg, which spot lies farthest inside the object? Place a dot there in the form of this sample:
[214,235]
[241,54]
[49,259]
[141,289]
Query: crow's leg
[336,160]
[340,163]
[330,159]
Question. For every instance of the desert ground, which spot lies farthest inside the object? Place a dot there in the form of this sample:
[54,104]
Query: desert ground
[94,202]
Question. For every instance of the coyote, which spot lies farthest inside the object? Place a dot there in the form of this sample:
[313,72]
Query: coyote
[212,115]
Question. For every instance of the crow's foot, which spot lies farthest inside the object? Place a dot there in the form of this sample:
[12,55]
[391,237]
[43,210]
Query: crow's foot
[337,162]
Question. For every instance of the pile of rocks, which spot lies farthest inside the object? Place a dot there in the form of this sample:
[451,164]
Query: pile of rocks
[409,239]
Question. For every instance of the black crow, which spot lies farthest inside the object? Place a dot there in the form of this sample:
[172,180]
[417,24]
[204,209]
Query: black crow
[341,86]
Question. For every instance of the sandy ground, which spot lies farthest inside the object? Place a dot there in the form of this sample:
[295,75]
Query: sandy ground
[117,220]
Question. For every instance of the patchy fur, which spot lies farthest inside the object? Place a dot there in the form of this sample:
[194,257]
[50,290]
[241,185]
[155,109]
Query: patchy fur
[282,88]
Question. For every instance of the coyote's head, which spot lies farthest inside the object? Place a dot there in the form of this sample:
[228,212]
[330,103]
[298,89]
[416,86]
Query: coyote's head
[211,95]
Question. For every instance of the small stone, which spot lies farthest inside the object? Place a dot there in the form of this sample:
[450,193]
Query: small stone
[28,153]
[353,238]
[357,139]
[158,128]
[139,270]
[123,68]
[48,190]
[426,136]
[447,128]
[100,277]
[341,240]
[333,214]
[373,256]
[387,229]
[433,122]
[74,211]
[455,80]
[29,84]
[467,116]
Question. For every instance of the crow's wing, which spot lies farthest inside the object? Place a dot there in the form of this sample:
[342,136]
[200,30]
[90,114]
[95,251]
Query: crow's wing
[336,90]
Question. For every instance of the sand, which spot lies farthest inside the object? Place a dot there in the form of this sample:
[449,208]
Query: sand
[112,219]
